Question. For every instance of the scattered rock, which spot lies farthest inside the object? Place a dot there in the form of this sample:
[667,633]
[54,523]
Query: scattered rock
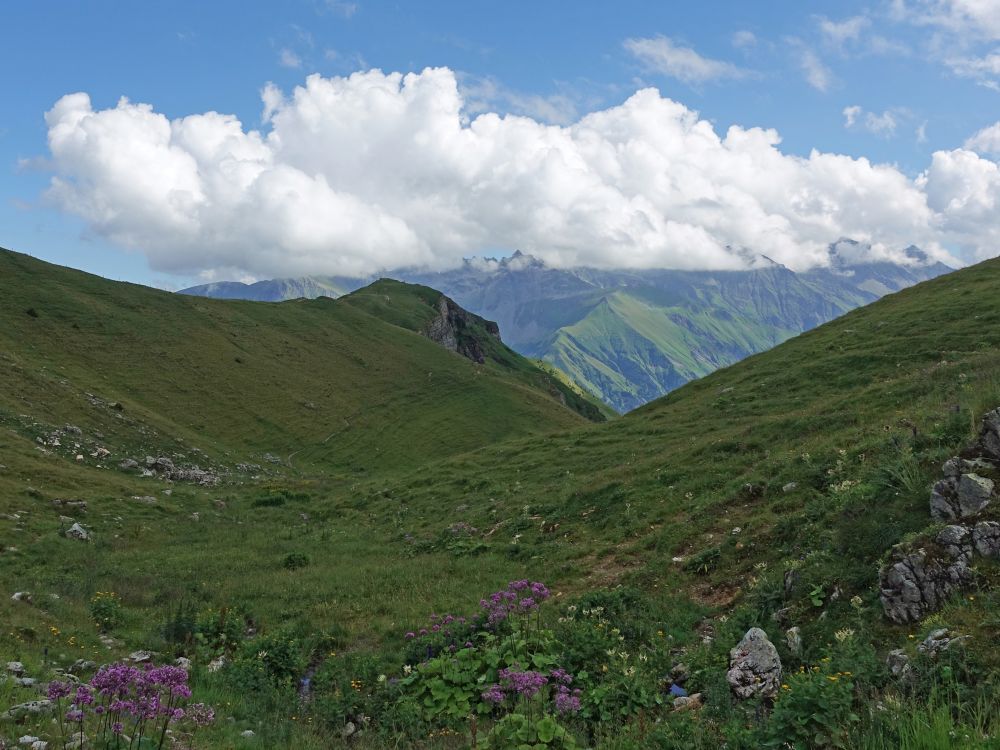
[160,465]
[39,745]
[16,668]
[271,458]
[790,487]
[754,666]
[790,580]
[898,663]
[27,740]
[914,584]
[689,702]
[107,641]
[349,730]
[183,662]
[72,429]
[76,531]
[25,682]
[986,538]
[974,494]
[793,637]
[940,640]
[248,733]
[781,616]
[140,656]
[129,464]
[145,499]
[82,665]
[22,596]
[23,710]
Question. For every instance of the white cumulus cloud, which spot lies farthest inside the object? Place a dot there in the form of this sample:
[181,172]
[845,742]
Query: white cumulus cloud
[374,171]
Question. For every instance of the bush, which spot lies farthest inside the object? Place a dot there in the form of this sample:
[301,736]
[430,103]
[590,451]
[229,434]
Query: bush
[813,710]
[295,560]
[107,611]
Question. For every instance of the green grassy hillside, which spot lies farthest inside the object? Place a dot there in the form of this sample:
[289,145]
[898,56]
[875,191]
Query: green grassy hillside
[766,494]
[318,383]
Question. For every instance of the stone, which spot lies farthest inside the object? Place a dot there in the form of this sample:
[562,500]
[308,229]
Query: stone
[790,487]
[23,710]
[80,505]
[898,663]
[793,637]
[974,494]
[16,668]
[82,665]
[940,640]
[754,666]
[183,662]
[957,542]
[140,656]
[349,730]
[129,464]
[21,596]
[944,500]
[248,733]
[914,584]
[76,531]
[791,578]
[688,702]
[989,435]
[39,745]
[145,499]
[25,682]
[986,538]
[27,740]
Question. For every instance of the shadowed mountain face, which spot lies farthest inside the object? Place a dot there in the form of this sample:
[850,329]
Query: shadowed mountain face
[630,336]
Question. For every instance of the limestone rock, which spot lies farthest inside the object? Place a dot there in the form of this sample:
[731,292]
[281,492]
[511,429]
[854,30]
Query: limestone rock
[899,663]
[16,668]
[974,494]
[76,531]
[22,710]
[688,702]
[914,584]
[754,666]
[986,538]
[940,640]
[793,637]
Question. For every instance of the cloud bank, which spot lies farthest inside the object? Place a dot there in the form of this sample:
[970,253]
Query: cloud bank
[377,171]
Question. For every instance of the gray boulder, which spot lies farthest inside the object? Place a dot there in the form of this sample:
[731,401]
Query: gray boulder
[914,584]
[23,710]
[793,637]
[754,666]
[989,435]
[940,640]
[974,494]
[986,538]
[76,531]
[899,664]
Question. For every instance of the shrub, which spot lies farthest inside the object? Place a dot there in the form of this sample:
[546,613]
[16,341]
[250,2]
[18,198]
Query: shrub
[295,560]
[813,710]
[107,611]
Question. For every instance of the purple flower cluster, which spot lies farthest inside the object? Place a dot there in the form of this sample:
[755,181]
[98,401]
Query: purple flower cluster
[516,683]
[121,695]
[520,597]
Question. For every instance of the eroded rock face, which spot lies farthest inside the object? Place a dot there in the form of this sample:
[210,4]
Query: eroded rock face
[986,538]
[915,584]
[754,666]
[917,581]
[451,329]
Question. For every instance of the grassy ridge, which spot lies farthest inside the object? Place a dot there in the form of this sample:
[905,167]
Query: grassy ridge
[321,381]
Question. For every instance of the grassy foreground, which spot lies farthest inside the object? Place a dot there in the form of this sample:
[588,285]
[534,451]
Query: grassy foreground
[766,495]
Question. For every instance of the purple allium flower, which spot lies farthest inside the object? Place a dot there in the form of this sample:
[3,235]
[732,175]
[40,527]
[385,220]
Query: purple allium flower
[410,635]
[74,715]
[58,690]
[526,683]
[116,728]
[200,714]
[493,694]
[567,702]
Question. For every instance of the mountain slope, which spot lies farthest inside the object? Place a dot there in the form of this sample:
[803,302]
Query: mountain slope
[631,336]
[315,383]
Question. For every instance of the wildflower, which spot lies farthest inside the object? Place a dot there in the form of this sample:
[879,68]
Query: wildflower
[843,635]
[785,687]
[493,694]
[381,678]
[407,669]
[856,601]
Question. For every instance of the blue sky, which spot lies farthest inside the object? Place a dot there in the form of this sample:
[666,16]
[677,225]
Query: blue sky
[893,82]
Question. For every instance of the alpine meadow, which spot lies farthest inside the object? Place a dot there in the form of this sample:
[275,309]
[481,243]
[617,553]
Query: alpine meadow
[505,402]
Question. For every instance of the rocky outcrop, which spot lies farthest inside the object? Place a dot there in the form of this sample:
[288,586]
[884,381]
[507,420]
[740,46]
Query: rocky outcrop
[458,330]
[918,579]
[754,666]
[165,467]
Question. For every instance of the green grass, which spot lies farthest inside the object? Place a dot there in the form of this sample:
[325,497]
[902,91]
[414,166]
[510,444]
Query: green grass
[392,441]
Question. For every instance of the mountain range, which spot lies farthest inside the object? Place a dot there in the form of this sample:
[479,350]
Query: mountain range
[630,336]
